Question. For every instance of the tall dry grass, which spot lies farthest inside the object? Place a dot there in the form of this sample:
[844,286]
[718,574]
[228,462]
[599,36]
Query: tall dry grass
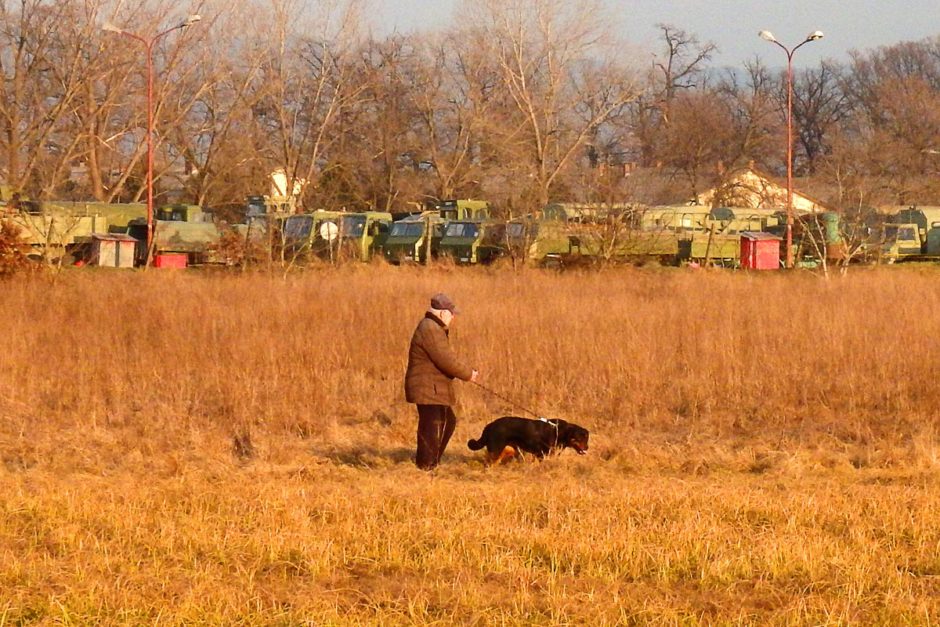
[215,448]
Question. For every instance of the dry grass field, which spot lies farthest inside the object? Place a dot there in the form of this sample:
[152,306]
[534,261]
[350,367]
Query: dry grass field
[213,448]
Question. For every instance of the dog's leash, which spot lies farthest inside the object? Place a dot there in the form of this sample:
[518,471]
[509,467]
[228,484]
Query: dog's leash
[509,401]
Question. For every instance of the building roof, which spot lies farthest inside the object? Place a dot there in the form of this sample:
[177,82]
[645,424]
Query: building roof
[753,188]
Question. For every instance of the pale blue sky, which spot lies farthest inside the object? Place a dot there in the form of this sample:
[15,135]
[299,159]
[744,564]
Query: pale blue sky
[733,24]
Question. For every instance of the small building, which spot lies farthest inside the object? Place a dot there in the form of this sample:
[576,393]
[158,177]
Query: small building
[112,250]
[760,251]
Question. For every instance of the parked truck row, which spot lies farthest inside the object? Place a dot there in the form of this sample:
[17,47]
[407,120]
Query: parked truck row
[466,232]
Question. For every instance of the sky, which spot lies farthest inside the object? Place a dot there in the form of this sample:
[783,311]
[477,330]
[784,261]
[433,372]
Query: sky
[733,24]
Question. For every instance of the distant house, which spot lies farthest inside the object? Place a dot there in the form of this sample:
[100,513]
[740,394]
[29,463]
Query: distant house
[756,190]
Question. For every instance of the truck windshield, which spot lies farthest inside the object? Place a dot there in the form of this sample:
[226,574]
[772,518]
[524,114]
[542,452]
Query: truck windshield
[353,226]
[297,227]
[407,229]
[515,230]
[256,207]
[462,229]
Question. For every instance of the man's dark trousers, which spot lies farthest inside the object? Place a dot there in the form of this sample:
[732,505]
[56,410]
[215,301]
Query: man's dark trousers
[435,426]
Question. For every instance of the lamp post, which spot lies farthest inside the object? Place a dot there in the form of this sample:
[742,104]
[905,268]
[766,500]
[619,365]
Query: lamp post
[768,36]
[149,44]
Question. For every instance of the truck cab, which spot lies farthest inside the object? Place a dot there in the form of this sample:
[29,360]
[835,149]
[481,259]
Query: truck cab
[902,242]
[361,234]
[912,234]
[460,240]
[538,241]
[414,239]
[311,234]
[472,242]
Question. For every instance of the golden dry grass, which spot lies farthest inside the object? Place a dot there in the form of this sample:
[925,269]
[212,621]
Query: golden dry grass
[764,449]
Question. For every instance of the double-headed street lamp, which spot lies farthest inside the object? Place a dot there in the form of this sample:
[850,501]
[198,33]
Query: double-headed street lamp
[767,35]
[149,44]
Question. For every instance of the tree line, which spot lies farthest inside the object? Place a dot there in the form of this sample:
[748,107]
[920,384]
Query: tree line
[518,101]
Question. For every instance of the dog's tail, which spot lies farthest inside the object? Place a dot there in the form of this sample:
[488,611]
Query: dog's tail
[476,445]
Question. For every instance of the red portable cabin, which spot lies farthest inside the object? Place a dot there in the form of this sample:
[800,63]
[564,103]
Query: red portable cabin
[760,251]
[169,260]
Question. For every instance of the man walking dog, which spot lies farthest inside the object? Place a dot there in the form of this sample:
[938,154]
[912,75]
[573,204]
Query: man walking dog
[432,367]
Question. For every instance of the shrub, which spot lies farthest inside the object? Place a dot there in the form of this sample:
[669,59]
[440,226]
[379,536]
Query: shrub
[14,251]
[234,249]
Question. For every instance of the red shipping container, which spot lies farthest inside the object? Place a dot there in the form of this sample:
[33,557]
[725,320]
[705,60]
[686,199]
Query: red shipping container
[760,251]
[169,260]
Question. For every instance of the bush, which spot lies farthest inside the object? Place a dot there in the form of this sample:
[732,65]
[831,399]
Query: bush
[14,251]
[233,249]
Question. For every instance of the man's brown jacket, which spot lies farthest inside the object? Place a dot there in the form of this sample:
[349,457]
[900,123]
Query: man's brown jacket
[432,365]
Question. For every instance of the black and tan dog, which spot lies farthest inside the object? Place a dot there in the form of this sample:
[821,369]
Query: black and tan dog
[505,437]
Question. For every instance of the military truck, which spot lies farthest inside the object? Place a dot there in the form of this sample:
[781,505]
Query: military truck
[536,241]
[336,235]
[731,220]
[181,228]
[718,241]
[912,234]
[363,234]
[674,218]
[414,239]
[587,212]
[56,232]
[472,241]
[194,239]
[307,235]
[54,236]
[118,214]
[723,249]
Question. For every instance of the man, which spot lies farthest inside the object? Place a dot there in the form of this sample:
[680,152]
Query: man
[432,367]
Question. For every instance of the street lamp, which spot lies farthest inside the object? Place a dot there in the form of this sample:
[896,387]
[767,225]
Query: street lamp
[149,44]
[768,36]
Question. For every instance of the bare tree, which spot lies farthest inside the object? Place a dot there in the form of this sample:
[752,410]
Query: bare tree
[452,100]
[895,119]
[219,141]
[749,96]
[680,65]
[698,137]
[308,81]
[544,52]
[819,105]
[48,53]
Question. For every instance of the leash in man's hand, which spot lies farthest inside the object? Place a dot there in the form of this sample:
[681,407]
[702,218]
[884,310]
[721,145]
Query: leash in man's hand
[507,400]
